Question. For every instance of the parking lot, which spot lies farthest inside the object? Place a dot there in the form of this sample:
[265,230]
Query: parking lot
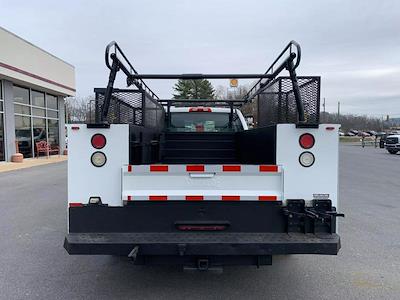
[34,264]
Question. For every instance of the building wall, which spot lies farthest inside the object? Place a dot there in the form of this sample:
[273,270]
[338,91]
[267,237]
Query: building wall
[21,61]
[26,65]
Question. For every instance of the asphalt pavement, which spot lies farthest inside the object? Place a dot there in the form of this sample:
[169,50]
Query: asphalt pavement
[34,264]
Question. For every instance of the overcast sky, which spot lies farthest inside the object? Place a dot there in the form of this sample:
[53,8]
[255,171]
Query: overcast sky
[353,45]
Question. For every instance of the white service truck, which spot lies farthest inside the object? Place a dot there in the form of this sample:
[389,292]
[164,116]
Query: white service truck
[186,182]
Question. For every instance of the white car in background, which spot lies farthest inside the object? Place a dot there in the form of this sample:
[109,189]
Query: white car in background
[392,143]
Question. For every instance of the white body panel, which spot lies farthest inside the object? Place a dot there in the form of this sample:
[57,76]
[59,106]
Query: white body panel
[321,179]
[115,185]
[86,180]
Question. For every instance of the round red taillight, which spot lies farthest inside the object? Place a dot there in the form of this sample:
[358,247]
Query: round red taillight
[98,141]
[306,141]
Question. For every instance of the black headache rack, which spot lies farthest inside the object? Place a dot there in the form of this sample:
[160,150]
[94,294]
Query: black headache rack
[269,93]
[277,102]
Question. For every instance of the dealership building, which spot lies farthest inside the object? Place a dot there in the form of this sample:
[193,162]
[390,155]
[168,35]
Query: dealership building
[33,87]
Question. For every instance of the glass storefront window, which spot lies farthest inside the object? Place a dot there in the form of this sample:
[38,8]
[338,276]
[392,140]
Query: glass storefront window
[1,136]
[21,95]
[52,113]
[51,101]
[22,109]
[39,131]
[23,135]
[1,123]
[38,112]
[53,138]
[38,98]
[36,119]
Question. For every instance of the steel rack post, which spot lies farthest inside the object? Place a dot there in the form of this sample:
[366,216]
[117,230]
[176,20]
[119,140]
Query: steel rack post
[107,96]
[296,90]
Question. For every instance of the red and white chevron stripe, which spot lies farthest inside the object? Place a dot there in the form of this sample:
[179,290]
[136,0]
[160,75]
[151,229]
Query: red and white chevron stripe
[202,168]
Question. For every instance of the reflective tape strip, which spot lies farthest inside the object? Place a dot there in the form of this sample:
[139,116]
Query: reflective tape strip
[231,168]
[268,168]
[198,198]
[158,198]
[194,198]
[158,168]
[267,198]
[200,168]
[195,168]
[230,198]
[75,204]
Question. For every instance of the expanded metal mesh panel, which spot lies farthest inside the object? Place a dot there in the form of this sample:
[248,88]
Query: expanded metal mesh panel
[125,107]
[277,103]
[130,107]
[154,114]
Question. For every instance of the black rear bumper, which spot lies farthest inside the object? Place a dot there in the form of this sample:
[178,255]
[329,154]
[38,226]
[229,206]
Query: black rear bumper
[250,228]
[202,243]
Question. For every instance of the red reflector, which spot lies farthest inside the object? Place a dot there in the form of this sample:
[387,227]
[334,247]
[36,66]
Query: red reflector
[201,227]
[75,128]
[160,168]
[98,141]
[158,198]
[230,168]
[129,168]
[267,198]
[230,198]
[195,168]
[194,198]
[200,109]
[129,198]
[306,140]
[268,168]
[75,204]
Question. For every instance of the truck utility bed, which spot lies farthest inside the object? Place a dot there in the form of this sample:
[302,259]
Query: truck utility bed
[187,182]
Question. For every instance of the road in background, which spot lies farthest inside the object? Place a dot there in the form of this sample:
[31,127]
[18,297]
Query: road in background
[34,264]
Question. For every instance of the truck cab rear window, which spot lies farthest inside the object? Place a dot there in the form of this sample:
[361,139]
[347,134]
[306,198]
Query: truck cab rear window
[203,122]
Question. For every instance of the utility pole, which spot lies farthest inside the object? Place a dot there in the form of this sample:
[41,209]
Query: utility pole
[323,105]
[338,111]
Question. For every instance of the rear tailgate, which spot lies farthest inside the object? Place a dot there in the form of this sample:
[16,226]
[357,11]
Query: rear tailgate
[202,182]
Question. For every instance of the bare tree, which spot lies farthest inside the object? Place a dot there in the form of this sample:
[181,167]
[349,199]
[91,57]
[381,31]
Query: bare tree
[220,92]
[350,121]
[77,109]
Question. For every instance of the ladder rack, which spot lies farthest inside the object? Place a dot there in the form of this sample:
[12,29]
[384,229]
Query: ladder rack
[288,59]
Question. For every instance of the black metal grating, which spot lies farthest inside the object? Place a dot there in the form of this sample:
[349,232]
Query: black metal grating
[277,103]
[130,107]
[153,114]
